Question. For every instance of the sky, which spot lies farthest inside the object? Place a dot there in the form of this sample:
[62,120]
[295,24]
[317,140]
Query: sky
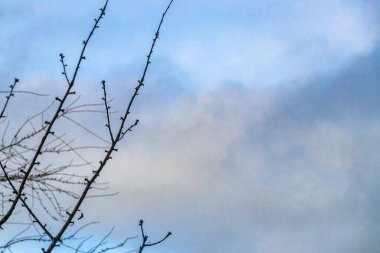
[259,119]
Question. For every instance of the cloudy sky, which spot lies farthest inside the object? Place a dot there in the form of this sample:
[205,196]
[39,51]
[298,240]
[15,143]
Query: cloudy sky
[259,119]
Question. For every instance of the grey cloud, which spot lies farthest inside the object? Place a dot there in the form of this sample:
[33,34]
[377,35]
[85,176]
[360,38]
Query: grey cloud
[354,91]
[264,169]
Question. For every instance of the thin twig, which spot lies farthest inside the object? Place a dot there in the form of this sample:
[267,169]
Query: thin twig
[8,97]
[145,238]
[107,108]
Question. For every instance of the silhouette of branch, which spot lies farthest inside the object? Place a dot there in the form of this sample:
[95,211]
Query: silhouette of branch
[64,65]
[107,108]
[120,134]
[145,238]
[50,123]
[8,97]
[24,177]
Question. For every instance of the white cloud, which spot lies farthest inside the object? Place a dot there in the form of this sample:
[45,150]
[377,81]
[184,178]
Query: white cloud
[268,42]
[254,42]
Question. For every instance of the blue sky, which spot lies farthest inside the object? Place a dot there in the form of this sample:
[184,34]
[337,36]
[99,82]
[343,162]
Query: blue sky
[259,120]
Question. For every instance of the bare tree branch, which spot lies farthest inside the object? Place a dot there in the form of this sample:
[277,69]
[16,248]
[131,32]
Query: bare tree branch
[29,179]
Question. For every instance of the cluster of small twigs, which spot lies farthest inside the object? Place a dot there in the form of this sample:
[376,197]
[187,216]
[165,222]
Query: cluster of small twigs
[27,179]
[47,180]
[68,241]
